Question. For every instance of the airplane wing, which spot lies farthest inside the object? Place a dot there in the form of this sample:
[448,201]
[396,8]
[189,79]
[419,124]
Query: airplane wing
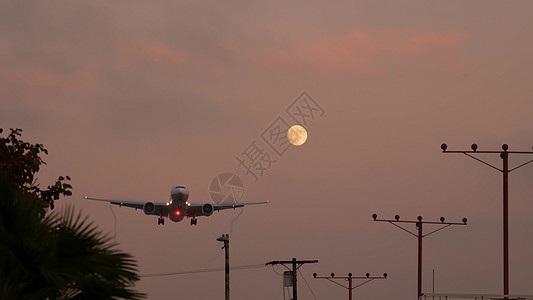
[197,209]
[160,208]
[236,205]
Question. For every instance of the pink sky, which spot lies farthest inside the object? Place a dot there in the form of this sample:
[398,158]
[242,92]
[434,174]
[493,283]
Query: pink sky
[131,98]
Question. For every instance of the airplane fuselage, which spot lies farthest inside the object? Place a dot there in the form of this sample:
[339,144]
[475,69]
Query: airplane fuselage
[178,203]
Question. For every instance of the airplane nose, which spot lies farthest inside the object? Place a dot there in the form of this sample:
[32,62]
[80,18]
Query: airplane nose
[179,193]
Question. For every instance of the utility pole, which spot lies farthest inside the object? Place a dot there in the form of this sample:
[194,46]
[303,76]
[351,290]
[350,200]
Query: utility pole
[419,235]
[504,154]
[368,278]
[295,264]
[225,238]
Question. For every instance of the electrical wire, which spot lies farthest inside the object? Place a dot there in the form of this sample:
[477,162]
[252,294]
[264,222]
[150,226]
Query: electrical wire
[307,284]
[115,220]
[232,221]
[276,271]
[210,262]
[243,267]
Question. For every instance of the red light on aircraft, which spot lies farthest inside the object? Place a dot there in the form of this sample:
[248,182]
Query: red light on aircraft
[178,212]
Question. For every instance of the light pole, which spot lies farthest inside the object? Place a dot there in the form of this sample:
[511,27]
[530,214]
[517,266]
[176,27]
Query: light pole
[349,278]
[504,154]
[419,235]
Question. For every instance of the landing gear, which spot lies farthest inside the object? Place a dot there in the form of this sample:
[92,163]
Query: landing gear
[161,221]
[194,222]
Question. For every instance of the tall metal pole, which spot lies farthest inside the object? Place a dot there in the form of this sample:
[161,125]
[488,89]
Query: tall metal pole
[226,248]
[225,238]
[350,288]
[419,235]
[505,157]
[504,154]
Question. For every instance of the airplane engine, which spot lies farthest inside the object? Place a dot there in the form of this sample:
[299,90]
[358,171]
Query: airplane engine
[149,208]
[207,209]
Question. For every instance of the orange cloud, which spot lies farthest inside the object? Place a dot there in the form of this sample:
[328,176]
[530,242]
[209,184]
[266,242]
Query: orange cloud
[367,53]
[27,78]
[133,52]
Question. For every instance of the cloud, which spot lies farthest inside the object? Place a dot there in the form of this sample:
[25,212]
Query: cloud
[366,53]
[38,80]
[132,52]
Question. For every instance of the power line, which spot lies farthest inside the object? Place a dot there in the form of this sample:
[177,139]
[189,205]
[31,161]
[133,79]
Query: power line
[233,221]
[309,287]
[276,271]
[115,224]
[209,270]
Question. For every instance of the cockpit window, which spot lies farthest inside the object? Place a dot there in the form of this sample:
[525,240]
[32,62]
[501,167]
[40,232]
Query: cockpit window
[180,187]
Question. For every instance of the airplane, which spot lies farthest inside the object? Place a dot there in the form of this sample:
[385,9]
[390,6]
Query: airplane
[177,208]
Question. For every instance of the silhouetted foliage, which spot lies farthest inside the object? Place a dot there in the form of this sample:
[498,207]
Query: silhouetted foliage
[20,161]
[59,256]
[55,255]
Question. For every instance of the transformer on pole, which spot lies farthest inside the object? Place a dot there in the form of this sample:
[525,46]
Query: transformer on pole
[295,264]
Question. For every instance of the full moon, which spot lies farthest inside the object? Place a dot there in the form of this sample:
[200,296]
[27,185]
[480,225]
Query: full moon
[297,135]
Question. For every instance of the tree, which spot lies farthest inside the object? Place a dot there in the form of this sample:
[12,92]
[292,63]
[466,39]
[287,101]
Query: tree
[58,255]
[19,161]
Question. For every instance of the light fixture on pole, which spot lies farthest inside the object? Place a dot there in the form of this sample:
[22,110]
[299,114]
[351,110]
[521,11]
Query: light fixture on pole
[350,278]
[419,235]
[504,154]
